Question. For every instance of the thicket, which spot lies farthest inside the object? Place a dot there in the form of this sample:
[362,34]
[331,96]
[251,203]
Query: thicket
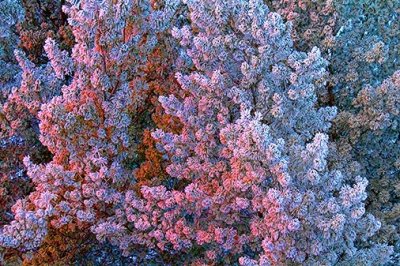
[199,132]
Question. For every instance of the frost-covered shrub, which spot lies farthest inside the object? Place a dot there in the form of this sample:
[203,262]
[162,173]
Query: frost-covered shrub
[314,21]
[91,128]
[359,38]
[257,186]
[369,134]
[19,124]
[38,85]
[367,48]
[17,136]
[160,70]
[43,19]
[10,14]
[364,54]
[197,132]
[14,183]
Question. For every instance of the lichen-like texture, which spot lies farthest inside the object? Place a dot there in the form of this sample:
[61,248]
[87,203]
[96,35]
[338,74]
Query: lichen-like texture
[199,132]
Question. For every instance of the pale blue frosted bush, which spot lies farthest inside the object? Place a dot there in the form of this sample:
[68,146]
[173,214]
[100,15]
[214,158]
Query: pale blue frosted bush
[251,125]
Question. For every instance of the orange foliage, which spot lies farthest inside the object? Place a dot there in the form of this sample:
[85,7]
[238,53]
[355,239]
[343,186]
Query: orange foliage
[161,83]
[152,170]
[59,248]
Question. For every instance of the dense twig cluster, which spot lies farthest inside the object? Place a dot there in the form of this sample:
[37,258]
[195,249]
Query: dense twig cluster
[199,132]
